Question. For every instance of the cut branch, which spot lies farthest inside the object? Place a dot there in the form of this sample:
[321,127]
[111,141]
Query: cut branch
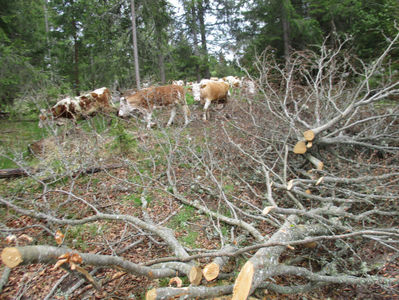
[15,256]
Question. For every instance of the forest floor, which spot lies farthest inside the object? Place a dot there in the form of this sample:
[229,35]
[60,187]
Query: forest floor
[108,192]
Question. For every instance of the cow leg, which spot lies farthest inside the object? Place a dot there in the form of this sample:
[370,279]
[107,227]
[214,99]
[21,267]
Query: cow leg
[172,116]
[186,113]
[207,103]
[147,118]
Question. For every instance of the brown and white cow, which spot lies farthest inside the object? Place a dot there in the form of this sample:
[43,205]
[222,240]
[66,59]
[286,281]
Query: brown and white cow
[78,107]
[213,91]
[145,100]
[248,86]
[233,81]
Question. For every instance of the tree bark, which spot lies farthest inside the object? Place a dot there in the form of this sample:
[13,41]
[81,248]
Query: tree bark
[262,265]
[195,38]
[16,256]
[286,29]
[135,49]
[76,59]
[204,49]
[47,60]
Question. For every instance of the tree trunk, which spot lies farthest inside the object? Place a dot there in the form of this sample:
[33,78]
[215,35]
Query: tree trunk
[195,39]
[161,64]
[286,29]
[47,60]
[204,49]
[135,51]
[261,265]
[76,56]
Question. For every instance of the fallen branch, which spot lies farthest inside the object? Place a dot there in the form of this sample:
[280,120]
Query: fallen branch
[23,172]
[212,270]
[4,277]
[190,292]
[16,256]
[16,172]
[262,265]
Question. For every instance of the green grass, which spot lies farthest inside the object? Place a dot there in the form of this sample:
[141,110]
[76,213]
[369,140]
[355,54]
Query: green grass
[190,99]
[15,137]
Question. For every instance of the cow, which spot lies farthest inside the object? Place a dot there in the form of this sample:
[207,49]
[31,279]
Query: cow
[248,86]
[178,82]
[213,91]
[233,81]
[145,100]
[78,107]
[195,88]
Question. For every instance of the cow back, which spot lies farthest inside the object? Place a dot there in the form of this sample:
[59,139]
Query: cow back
[157,96]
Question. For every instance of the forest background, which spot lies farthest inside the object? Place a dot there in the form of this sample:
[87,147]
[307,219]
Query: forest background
[64,46]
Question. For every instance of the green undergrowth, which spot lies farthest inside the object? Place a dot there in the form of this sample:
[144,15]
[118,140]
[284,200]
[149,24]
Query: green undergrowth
[15,137]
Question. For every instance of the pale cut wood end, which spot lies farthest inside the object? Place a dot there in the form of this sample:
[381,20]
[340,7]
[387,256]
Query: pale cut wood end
[211,271]
[243,283]
[300,147]
[11,257]
[151,294]
[195,275]
[309,135]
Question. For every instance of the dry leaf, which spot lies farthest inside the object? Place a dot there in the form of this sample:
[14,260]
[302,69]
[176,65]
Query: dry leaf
[25,237]
[290,185]
[64,256]
[267,209]
[11,238]
[319,180]
[59,237]
[118,274]
[308,192]
[59,264]
[76,258]
[177,281]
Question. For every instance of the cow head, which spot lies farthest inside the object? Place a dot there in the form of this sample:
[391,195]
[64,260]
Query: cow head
[125,109]
[43,117]
[196,88]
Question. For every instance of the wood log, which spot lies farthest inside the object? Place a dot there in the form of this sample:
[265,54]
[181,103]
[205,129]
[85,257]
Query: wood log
[212,270]
[300,147]
[23,172]
[309,135]
[17,172]
[191,292]
[14,256]
[4,278]
[315,161]
[195,275]
[11,257]
[243,282]
[264,262]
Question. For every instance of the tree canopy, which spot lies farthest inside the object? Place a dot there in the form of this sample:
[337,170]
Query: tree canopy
[81,44]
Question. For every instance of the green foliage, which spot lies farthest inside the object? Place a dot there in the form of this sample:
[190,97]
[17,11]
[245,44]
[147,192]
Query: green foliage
[88,43]
[190,238]
[136,199]
[181,218]
[190,99]
[228,188]
[123,141]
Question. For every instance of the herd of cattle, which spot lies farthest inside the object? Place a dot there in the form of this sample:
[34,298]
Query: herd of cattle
[146,100]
